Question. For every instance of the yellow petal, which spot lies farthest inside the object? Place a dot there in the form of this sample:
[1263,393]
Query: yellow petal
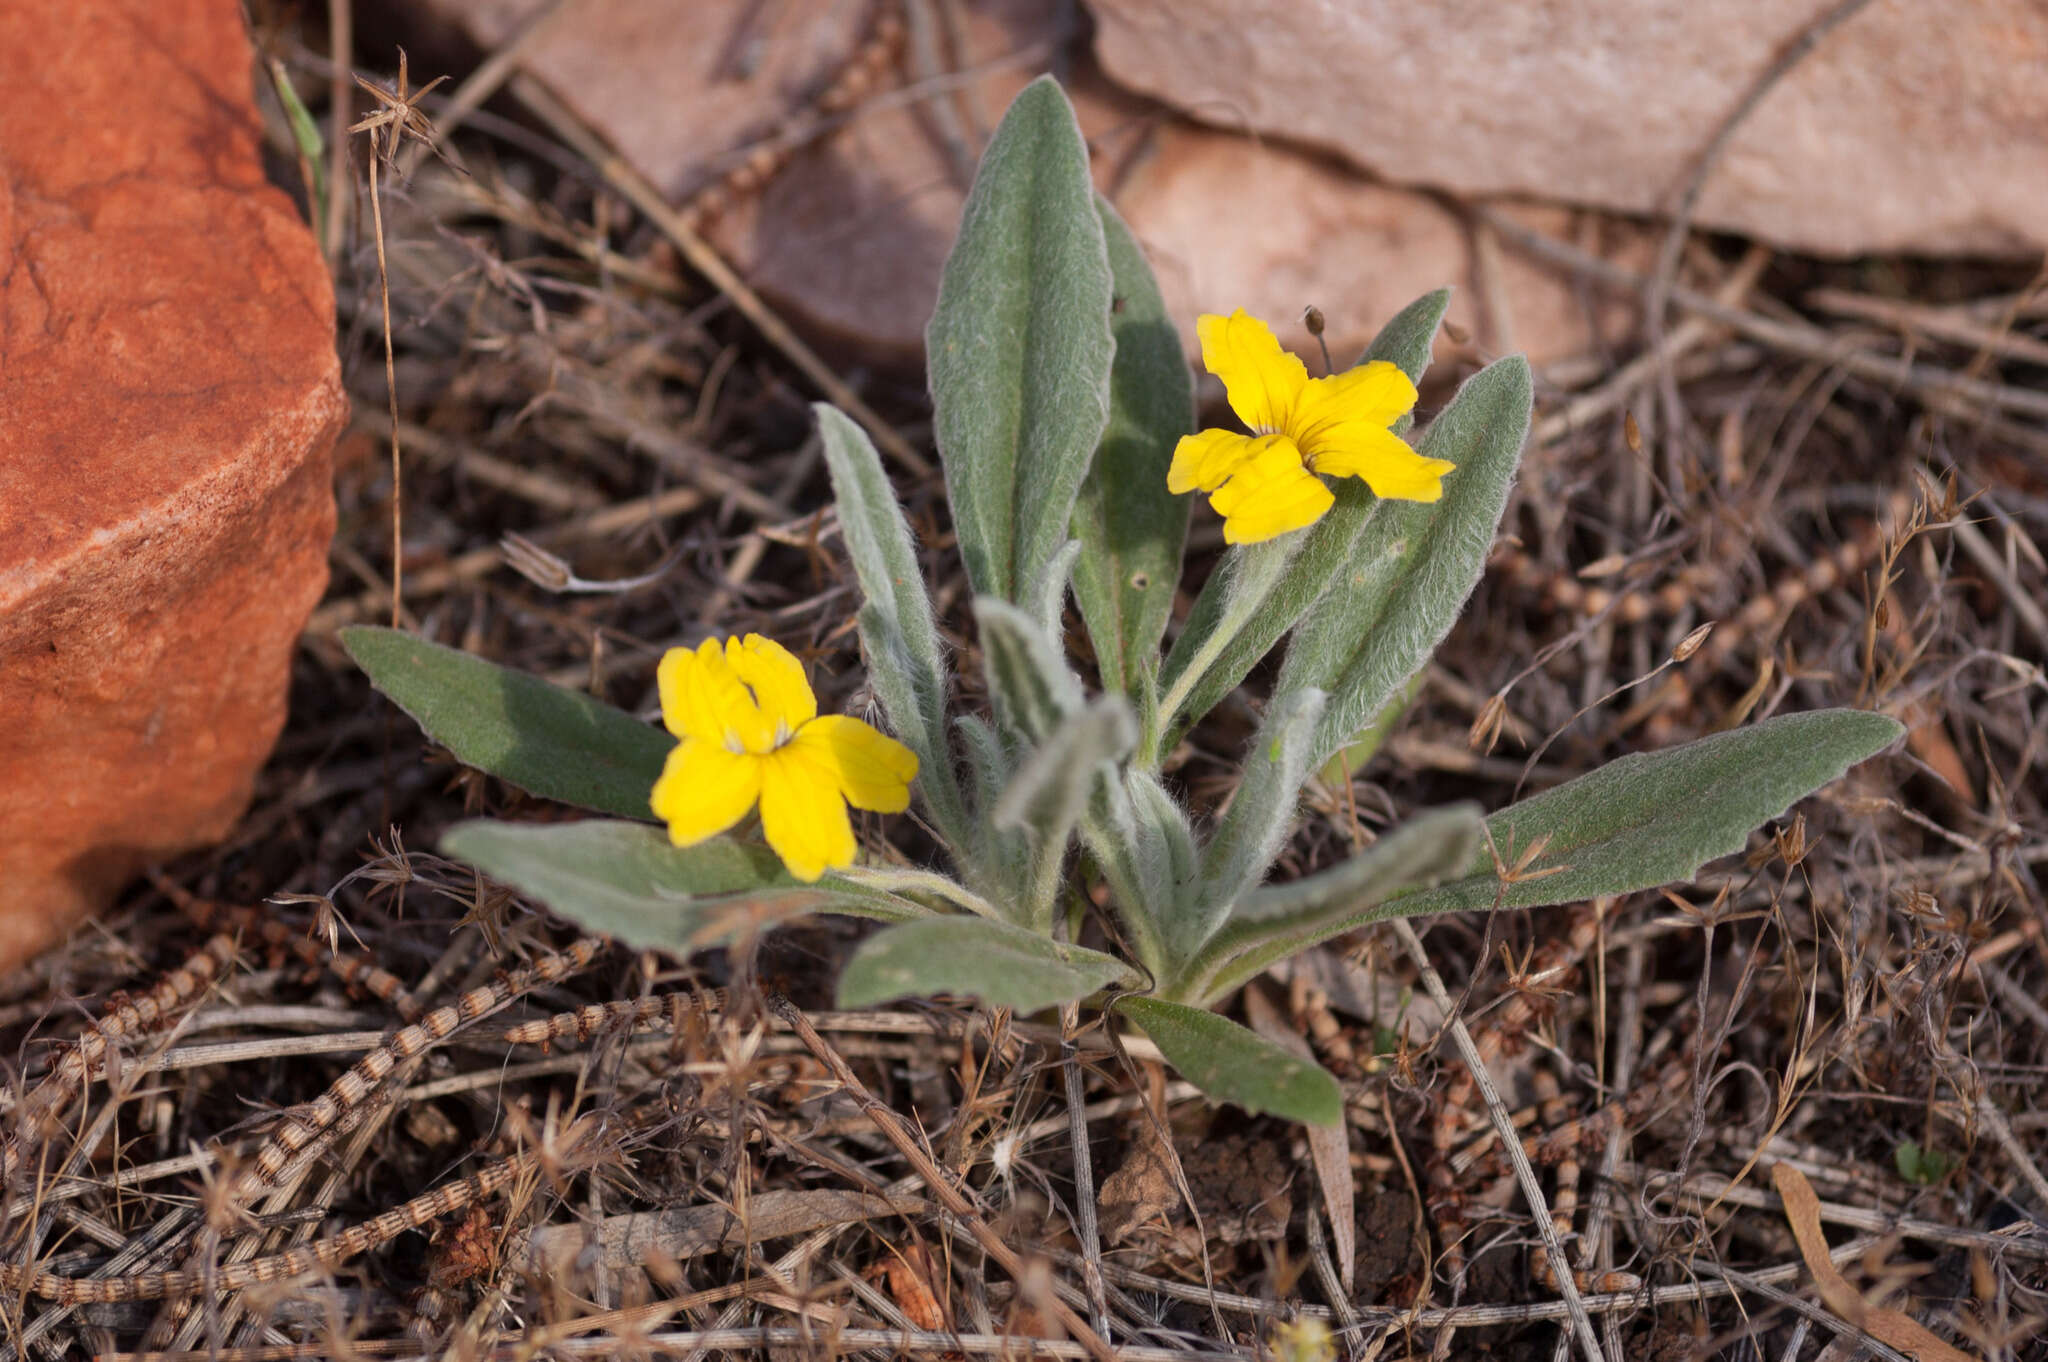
[803,813]
[871,768]
[1270,495]
[1332,411]
[701,698]
[1203,460]
[722,697]
[1261,379]
[704,790]
[1387,464]
[672,680]
[1274,460]
[777,680]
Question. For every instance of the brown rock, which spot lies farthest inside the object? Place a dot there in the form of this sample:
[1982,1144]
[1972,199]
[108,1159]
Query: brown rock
[1359,251]
[169,393]
[848,239]
[1905,129]
[730,70]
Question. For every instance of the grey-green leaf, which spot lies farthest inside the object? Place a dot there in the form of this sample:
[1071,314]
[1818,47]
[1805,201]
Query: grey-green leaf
[1249,601]
[1261,815]
[555,743]
[1414,563]
[973,957]
[1133,529]
[1050,793]
[1408,338]
[1045,598]
[1261,591]
[1654,818]
[1027,676]
[625,881]
[906,663]
[1019,347]
[1141,840]
[1278,920]
[1232,1064]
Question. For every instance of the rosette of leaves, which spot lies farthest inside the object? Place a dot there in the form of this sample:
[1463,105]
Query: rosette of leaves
[1059,390]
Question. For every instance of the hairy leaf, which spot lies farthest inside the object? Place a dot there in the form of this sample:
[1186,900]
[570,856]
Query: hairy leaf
[1132,528]
[1045,599]
[1654,818]
[1232,1064]
[1019,347]
[1411,569]
[1278,920]
[1050,793]
[1027,676]
[1139,838]
[625,881]
[1409,337]
[906,664]
[554,743]
[1003,965]
[1260,816]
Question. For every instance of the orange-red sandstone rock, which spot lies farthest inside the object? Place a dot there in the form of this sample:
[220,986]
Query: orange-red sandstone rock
[848,239]
[1910,127]
[169,394]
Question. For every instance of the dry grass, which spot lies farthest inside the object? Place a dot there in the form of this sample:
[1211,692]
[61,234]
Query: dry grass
[597,1155]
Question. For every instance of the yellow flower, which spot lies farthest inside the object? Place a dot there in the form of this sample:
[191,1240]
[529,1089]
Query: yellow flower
[751,730]
[1265,484]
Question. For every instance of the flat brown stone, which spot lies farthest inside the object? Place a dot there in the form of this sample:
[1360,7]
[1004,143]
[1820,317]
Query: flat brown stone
[848,239]
[169,396]
[1906,128]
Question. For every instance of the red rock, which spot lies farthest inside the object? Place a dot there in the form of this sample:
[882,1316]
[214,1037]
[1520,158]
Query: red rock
[169,394]
[1906,128]
[848,239]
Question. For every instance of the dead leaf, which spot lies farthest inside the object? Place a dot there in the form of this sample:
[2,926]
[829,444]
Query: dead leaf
[911,1275]
[1141,1191]
[1892,1327]
[623,1241]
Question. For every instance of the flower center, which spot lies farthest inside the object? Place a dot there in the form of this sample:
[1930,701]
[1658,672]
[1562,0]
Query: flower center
[756,739]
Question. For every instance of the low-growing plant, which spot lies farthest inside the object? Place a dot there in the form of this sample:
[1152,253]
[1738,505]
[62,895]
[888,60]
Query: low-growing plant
[1062,409]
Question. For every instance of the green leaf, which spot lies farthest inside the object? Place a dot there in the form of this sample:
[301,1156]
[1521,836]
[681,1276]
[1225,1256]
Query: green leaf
[1027,676]
[1003,965]
[1048,598]
[312,146]
[1050,793]
[1139,838]
[1357,752]
[989,762]
[1924,1167]
[1407,340]
[555,743]
[1260,591]
[1019,347]
[1131,527]
[1232,1064]
[1261,815]
[906,664]
[1407,577]
[1654,818]
[1279,920]
[1249,601]
[625,881]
